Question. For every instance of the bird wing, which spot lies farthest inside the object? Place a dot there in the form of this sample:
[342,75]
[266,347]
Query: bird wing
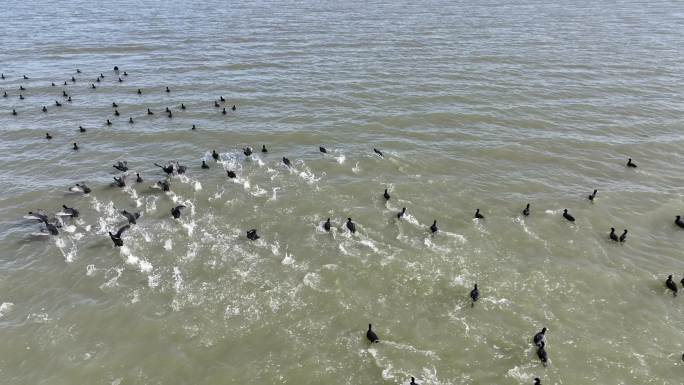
[121,230]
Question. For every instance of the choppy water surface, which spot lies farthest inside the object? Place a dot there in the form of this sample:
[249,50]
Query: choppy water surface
[486,105]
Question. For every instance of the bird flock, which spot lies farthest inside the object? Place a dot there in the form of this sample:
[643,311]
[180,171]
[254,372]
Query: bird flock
[52,225]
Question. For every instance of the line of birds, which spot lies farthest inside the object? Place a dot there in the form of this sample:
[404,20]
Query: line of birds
[170,168]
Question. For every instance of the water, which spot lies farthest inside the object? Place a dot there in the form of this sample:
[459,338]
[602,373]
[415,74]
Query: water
[489,105]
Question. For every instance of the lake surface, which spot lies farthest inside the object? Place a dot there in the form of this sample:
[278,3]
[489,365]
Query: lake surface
[488,105]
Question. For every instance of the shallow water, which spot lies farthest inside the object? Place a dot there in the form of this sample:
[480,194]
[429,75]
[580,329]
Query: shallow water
[489,105]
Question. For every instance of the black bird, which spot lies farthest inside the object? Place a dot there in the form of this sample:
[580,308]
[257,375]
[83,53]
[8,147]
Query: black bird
[231,174]
[25,77]
[72,212]
[478,215]
[125,73]
[78,71]
[593,195]
[252,235]
[167,110]
[326,226]
[541,353]
[108,123]
[204,164]
[69,100]
[21,88]
[44,109]
[224,111]
[263,149]
[180,169]
[101,75]
[526,210]
[4,95]
[167,169]
[568,216]
[234,108]
[58,104]
[215,155]
[116,238]
[120,181]
[375,150]
[216,104]
[537,381]
[413,381]
[222,99]
[287,162]
[52,229]
[130,120]
[65,83]
[132,217]
[48,136]
[116,113]
[65,94]
[75,147]
[40,215]
[193,127]
[2,76]
[370,334]
[116,68]
[73,79]
[247,151]
[80,188]
[630,163]
[351,226]
[167,89]
[612,234]
[21,97]
[138,178]
[671,285]
[434,227]
[149,112]
[97,80]
[539,338]
[182,106]
[164,185]
[401,213]
[682,281]
[170,115]
[623,237]
[14,112]
[53,84]
[121,166]
[386,195]
[679,222]
[474,295]
[139,91]
[92,86]
[176,211]
[120,80]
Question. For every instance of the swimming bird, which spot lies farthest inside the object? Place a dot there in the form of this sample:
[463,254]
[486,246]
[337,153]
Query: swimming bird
[64,94]
[375,150]
[69,100]
[38,215]
[326,225]
[478,215]
[679,222]
[386,195]
[474,295]
[92,86]
[58,104]
[205,165]
[287,162]
[163,185]
[120,80]
[116,113]
[4,95]
[168,169]
[180,169]
[593,195]
[193,127]
[526,210]
[623,237]
[252,235]
[176,211]
[97,80]
[73,80]
[52,229]
[263,149]
[170,115]
[2,76]
[682,281]
[121,166]
[537,381]
[53,84]
[101,75]
[568,216]
[214,154]
[413,381]
[167,89]
[48,136]
[70,211]
[120,181]
[247,151]
[434,227]
[612,234]
[671,285]
[21,97]
[75,146]
[630,163]
[149,112]
[14,112]
[116,68]
[21,88]
[65,83]
[224,111]
[44,109]
[322,149]
[132,217]
[108,123]
[139,91]
[401,213]
[351,226]
[138,178]
[25,77]
[222,99]
[541,353]
[370,334]
[130,120]
[116,238]
[231,174]
[216,104]
[80,188]
[78,71]
[234,108]
[182,106]
[540,337]
[167,110]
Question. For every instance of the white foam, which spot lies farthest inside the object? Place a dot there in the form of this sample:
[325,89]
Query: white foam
[90,270]
[177,279]
[5,308]
[288,260]
[168,245]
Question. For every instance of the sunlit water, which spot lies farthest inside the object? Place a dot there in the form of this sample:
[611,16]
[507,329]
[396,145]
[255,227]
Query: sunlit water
[486,105]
